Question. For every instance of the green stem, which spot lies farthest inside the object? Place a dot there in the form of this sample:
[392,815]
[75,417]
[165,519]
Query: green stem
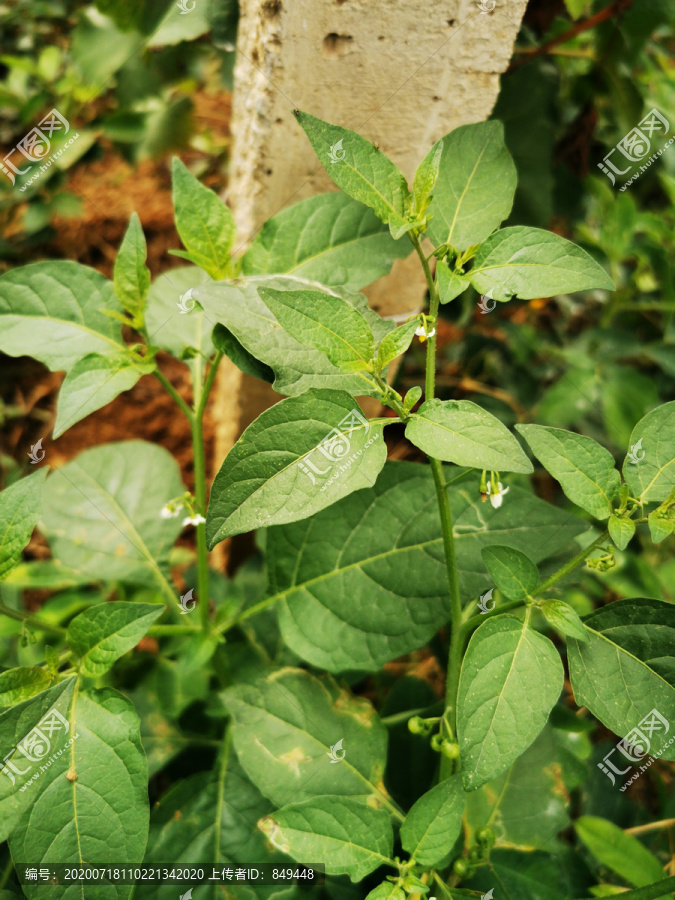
[161,630]
[455,657]
[455,892]
[201,393]
[389,398]
[569,566]
[208,384]
[164,381]
[33,621]
[434,300]
[650,891]
[402,717]
[259,607]
[4,878]
[475,621]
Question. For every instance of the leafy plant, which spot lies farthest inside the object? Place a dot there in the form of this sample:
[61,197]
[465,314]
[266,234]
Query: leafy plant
[366,560]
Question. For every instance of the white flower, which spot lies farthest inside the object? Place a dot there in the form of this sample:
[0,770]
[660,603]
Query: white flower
[193,520]
[423,334]
[169,512]
[496,499]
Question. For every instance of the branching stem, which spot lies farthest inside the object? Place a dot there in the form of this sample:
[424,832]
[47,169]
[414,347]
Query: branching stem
[455,658]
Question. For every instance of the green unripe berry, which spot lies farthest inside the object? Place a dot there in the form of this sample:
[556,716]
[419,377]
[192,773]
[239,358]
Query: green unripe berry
[436,743]
[417,725]
[485,836]
[460,867]
[449,749]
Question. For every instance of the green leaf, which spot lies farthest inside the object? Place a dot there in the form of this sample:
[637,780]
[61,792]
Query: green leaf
[450,284]
[531,263]
[131,276]
[285,727]
[162,740]
[426,177]
[584,469]
[325,323]
[630,644]
[228,344]
[385,891]
[564,619]
[101,811]
[331,239]
[475,185]
[513,573]
[526,806]
[93,382]
[237,306]
[103,633]
[336,577]
[360,170]
[56,312]
[16,768]
[169,326]
[652,477]
[396,343]
[43,574]
[511,677]
[434,823]
[461,432]
[22,683]
[209,817]
[205,224]
[298,457]
[528,876]
[20,508]
[618,851]
[660,527]
[102,512]
[621,530]
[348,837]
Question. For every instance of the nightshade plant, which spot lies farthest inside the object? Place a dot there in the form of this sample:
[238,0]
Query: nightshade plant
[366,561]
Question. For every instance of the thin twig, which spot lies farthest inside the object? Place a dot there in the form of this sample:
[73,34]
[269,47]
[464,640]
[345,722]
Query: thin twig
[609,12]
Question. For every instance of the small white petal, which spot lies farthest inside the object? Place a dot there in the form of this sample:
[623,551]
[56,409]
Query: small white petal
[496,500]
[193,520]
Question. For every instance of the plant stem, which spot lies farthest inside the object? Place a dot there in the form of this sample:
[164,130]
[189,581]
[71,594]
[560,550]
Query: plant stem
[475,621]
[164,381]
[650,891]
[33,621]
[651,826]
[455,657]
[434,299]
[161,630]
[569,566]
[4,878]
[208,384]
[201,394]
[455,892]
[402,717]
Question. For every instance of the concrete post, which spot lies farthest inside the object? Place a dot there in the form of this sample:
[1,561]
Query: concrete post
[400,72]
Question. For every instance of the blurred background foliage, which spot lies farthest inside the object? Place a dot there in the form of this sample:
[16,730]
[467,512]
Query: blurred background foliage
[124,73]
